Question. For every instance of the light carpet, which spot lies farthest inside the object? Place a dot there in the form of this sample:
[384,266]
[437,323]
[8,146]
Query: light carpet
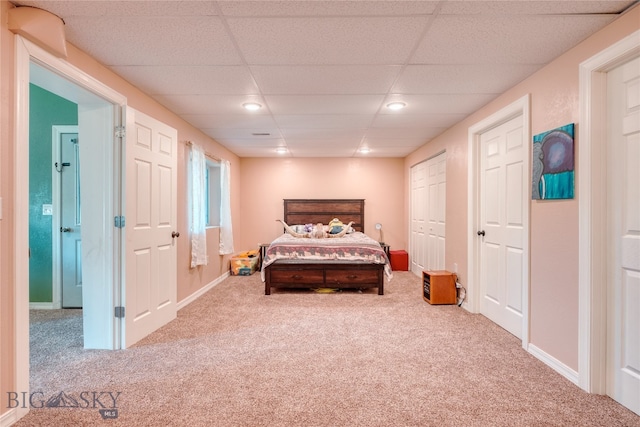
[236,357]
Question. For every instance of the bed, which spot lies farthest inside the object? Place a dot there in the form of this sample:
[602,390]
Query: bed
[354,261]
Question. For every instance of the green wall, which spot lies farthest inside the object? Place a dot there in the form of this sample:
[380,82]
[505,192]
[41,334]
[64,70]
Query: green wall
[45,111]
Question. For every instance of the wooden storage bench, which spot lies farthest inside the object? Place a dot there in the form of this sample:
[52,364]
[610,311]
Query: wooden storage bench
[296,274]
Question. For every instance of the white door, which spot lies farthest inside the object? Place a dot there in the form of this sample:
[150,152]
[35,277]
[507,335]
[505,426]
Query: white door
[150,225]
[418,217]
[436,193]
[623,337]
[501,230]
[70,220]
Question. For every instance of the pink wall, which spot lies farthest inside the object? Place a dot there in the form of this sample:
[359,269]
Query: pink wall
[554,224]
[266,181]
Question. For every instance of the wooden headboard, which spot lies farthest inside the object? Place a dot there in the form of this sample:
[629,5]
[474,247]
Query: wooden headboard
[313,211]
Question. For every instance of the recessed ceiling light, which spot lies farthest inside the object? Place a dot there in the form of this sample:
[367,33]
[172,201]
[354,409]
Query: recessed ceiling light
[364,150]
[281,150]
[251,106]
[396,105]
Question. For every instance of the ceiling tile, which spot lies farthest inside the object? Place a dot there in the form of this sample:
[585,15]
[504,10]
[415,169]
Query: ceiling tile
[533,7]
[462,78]
[324,121]
[329,41]
[258,135]
[270,143]
[99,8]
[442,103]
[391,134]
[158,40]
[332,79]
[380,143]
[190,80]
[394,121]
[245,120]
[323,134]
[512,39]
[326,8]
[323,142]
[208,104]
[324,104]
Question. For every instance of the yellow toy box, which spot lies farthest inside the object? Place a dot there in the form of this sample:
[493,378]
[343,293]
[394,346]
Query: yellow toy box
[245,263]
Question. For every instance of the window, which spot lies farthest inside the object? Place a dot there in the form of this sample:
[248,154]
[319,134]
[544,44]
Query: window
[212,193]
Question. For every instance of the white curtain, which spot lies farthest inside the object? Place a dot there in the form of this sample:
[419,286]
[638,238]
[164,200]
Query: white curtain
[226,231]
[198,207]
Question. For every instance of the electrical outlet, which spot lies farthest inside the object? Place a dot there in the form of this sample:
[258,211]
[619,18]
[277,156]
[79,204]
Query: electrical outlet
[455,267]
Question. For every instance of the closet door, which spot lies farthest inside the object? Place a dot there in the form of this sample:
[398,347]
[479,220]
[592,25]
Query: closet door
[428,202]
[418,217]
[436,200]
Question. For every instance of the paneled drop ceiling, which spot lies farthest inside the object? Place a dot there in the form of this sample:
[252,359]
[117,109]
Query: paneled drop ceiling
[324,71]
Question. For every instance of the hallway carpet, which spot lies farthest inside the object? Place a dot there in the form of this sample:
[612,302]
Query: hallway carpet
[236,357]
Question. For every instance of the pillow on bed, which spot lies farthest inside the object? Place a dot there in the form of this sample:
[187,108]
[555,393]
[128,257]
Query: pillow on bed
[302,228]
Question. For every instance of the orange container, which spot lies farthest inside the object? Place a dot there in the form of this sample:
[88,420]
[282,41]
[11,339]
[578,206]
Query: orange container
[245,263]
[399,260]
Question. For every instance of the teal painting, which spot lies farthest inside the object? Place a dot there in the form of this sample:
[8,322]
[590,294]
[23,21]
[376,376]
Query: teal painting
[553,164]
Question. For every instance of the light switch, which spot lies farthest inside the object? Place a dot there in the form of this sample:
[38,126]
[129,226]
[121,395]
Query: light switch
[47,209]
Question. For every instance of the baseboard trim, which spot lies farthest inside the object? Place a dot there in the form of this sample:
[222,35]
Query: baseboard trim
[41,306]
[8,418]
[554,364]
[197,294]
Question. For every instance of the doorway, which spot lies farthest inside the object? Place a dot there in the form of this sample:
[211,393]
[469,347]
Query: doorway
[100,109]
[498,166]
[608,271]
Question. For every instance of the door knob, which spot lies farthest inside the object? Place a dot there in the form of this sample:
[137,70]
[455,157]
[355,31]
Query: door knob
[65,229]
[175,234]
[481,233]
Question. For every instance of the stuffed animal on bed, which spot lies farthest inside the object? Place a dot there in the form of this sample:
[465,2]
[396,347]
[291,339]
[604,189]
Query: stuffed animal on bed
[318,232]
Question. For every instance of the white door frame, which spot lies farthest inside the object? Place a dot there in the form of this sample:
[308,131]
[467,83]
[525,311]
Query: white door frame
[56,134]
[27,52]
[592,225]
[518,107]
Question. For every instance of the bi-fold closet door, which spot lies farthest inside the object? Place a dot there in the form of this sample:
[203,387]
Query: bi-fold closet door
[428,213]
